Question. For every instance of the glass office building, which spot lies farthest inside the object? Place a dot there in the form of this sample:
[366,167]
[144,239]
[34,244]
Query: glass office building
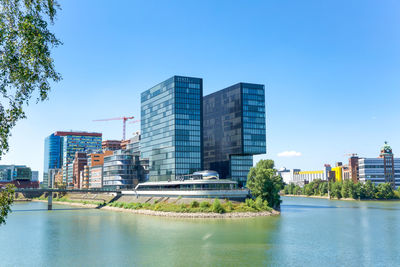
[76,142]
[234,130]
[60,148]
[171,123]
[52,156]
[118,171]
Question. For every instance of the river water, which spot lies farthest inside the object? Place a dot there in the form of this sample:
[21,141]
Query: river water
[309,232]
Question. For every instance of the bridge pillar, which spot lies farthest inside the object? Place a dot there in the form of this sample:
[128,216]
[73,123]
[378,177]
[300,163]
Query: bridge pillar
[50,201]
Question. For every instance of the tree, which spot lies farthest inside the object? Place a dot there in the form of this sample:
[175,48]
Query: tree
[369,190]
[336,189]
[346,189]
[263,182]
[6,199]
[384,191]
[26,65]
[323,188]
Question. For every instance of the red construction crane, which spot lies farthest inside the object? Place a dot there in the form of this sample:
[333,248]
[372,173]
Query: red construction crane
[124,119]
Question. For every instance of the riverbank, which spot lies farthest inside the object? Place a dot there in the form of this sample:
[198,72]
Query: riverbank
[345,199]
[320,197]
[176,208]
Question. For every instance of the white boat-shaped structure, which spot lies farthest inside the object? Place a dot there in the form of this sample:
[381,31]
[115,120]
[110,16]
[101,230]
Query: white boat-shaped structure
[203,184]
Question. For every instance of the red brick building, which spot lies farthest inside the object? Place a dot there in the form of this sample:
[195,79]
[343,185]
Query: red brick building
[78,164]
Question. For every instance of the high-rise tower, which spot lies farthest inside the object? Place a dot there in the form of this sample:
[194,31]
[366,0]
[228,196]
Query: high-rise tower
[171,123]
[234,130]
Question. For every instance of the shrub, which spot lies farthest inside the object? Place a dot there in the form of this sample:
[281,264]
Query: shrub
[194,204]
[229,206]
[217,207]
[259,203]
[242,207]
[250,203]
[204,205]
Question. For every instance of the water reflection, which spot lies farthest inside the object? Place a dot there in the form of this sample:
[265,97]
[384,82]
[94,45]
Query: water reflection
[309,232]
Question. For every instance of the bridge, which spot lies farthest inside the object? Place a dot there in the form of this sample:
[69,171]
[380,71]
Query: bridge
[50,191]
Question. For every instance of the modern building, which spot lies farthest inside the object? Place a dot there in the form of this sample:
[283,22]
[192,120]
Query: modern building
[96,176]
[35,176]
[299,177]
[141,165]
[111,145]
[60,149]
[93,171]
[18,175]
[234,130]
[338,169]
[52,156]
[385,169]
[118,171]
[79,163]
[124,143]
[171,127]
[288,175]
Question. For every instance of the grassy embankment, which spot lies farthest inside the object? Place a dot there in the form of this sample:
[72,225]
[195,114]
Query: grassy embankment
[216,206]
[204,206]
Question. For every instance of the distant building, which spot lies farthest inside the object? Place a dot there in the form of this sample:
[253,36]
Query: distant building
[118,170]
[93,172]
[338,170]
[96,176]
[79,163]
[35,176]
[385,169]
[52,157]
[52,174]
[288,175]
[353,168]
[141,165]
[234,130]
[124,144]
[60,149]
[18,175]
[171,127]
[299,177]
[111,145]
[58,178]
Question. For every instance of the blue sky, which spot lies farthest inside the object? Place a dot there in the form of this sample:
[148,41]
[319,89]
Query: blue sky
[331,70]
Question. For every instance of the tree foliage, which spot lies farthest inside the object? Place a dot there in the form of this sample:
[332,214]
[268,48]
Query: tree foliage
[6,199]
[264,183]
[26,65]
[346,189]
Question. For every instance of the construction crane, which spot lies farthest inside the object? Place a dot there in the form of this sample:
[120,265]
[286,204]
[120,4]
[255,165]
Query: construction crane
[124,119]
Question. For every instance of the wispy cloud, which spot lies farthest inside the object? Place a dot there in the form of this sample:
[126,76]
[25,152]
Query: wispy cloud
[289,154]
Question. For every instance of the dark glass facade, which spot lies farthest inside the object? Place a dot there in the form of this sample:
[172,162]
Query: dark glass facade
[171,123]
[234,130]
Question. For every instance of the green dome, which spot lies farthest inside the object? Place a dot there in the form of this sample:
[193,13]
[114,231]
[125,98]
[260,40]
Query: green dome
[386,148]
